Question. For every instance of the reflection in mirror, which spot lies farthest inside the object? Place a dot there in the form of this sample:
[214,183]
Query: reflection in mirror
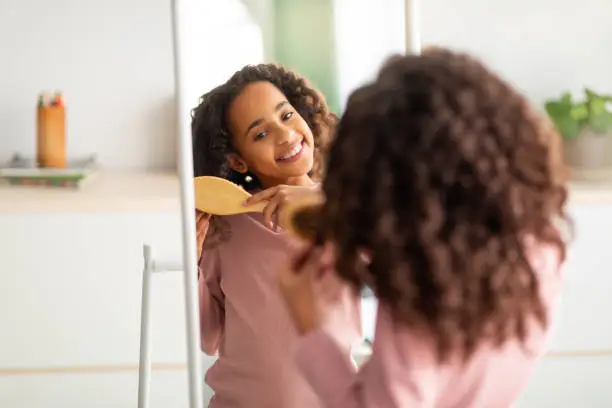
[265,127]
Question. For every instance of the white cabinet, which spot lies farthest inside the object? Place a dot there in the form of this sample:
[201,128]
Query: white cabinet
[576,373]
[70,287]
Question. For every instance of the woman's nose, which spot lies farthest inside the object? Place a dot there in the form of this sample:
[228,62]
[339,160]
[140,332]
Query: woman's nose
[285,134]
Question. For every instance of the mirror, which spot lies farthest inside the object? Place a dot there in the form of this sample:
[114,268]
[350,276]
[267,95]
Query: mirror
[323,41]
[216,42]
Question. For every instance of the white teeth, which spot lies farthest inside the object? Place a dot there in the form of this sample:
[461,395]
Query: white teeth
[296,149]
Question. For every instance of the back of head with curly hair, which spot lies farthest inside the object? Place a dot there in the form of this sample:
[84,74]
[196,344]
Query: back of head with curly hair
[442,172]
[212,140]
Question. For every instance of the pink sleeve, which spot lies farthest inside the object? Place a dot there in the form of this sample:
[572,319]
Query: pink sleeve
[388,379]
[212,312]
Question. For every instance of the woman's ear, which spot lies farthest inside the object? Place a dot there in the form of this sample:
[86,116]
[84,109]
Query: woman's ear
[237,164]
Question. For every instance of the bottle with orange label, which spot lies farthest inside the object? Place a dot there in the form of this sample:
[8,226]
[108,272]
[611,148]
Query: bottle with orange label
[51,131]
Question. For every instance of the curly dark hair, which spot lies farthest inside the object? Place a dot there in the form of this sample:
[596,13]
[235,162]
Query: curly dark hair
[442,172]
[212,140]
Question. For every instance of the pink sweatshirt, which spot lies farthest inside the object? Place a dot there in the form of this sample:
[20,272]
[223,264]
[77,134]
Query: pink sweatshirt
[244,319]
[403,372]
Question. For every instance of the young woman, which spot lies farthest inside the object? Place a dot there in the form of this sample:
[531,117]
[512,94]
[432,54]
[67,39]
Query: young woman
[451,185]
[264,129]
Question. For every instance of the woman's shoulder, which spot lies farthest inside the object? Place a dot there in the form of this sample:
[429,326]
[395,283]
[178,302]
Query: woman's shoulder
[225,229]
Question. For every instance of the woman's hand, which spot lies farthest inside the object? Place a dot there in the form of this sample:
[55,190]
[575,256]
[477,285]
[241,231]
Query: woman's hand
[306,290]
[202,222]
[277,198]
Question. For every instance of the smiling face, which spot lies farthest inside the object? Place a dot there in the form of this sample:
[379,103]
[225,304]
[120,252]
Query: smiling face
[273,141]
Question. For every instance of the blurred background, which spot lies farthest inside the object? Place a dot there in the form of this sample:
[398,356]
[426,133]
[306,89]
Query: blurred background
[70,258]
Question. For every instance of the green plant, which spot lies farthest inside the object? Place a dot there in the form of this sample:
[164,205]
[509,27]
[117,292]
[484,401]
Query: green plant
[570,116]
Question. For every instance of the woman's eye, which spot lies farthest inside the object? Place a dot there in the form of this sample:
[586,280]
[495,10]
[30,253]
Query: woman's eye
[287,115]
[260,135]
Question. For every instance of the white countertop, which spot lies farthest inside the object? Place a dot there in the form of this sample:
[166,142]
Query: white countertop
[590,193]
[150,191]
[107,191]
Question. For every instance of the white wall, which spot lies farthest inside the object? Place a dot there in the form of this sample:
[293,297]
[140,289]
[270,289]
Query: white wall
[237,40]
[263,13]
[543,46]
[113,61]
[365,37]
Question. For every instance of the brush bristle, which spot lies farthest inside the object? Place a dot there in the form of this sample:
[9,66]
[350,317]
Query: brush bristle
[306,223]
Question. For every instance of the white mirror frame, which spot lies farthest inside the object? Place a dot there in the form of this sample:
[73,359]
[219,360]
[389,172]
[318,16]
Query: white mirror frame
[185,170]
[413,26]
